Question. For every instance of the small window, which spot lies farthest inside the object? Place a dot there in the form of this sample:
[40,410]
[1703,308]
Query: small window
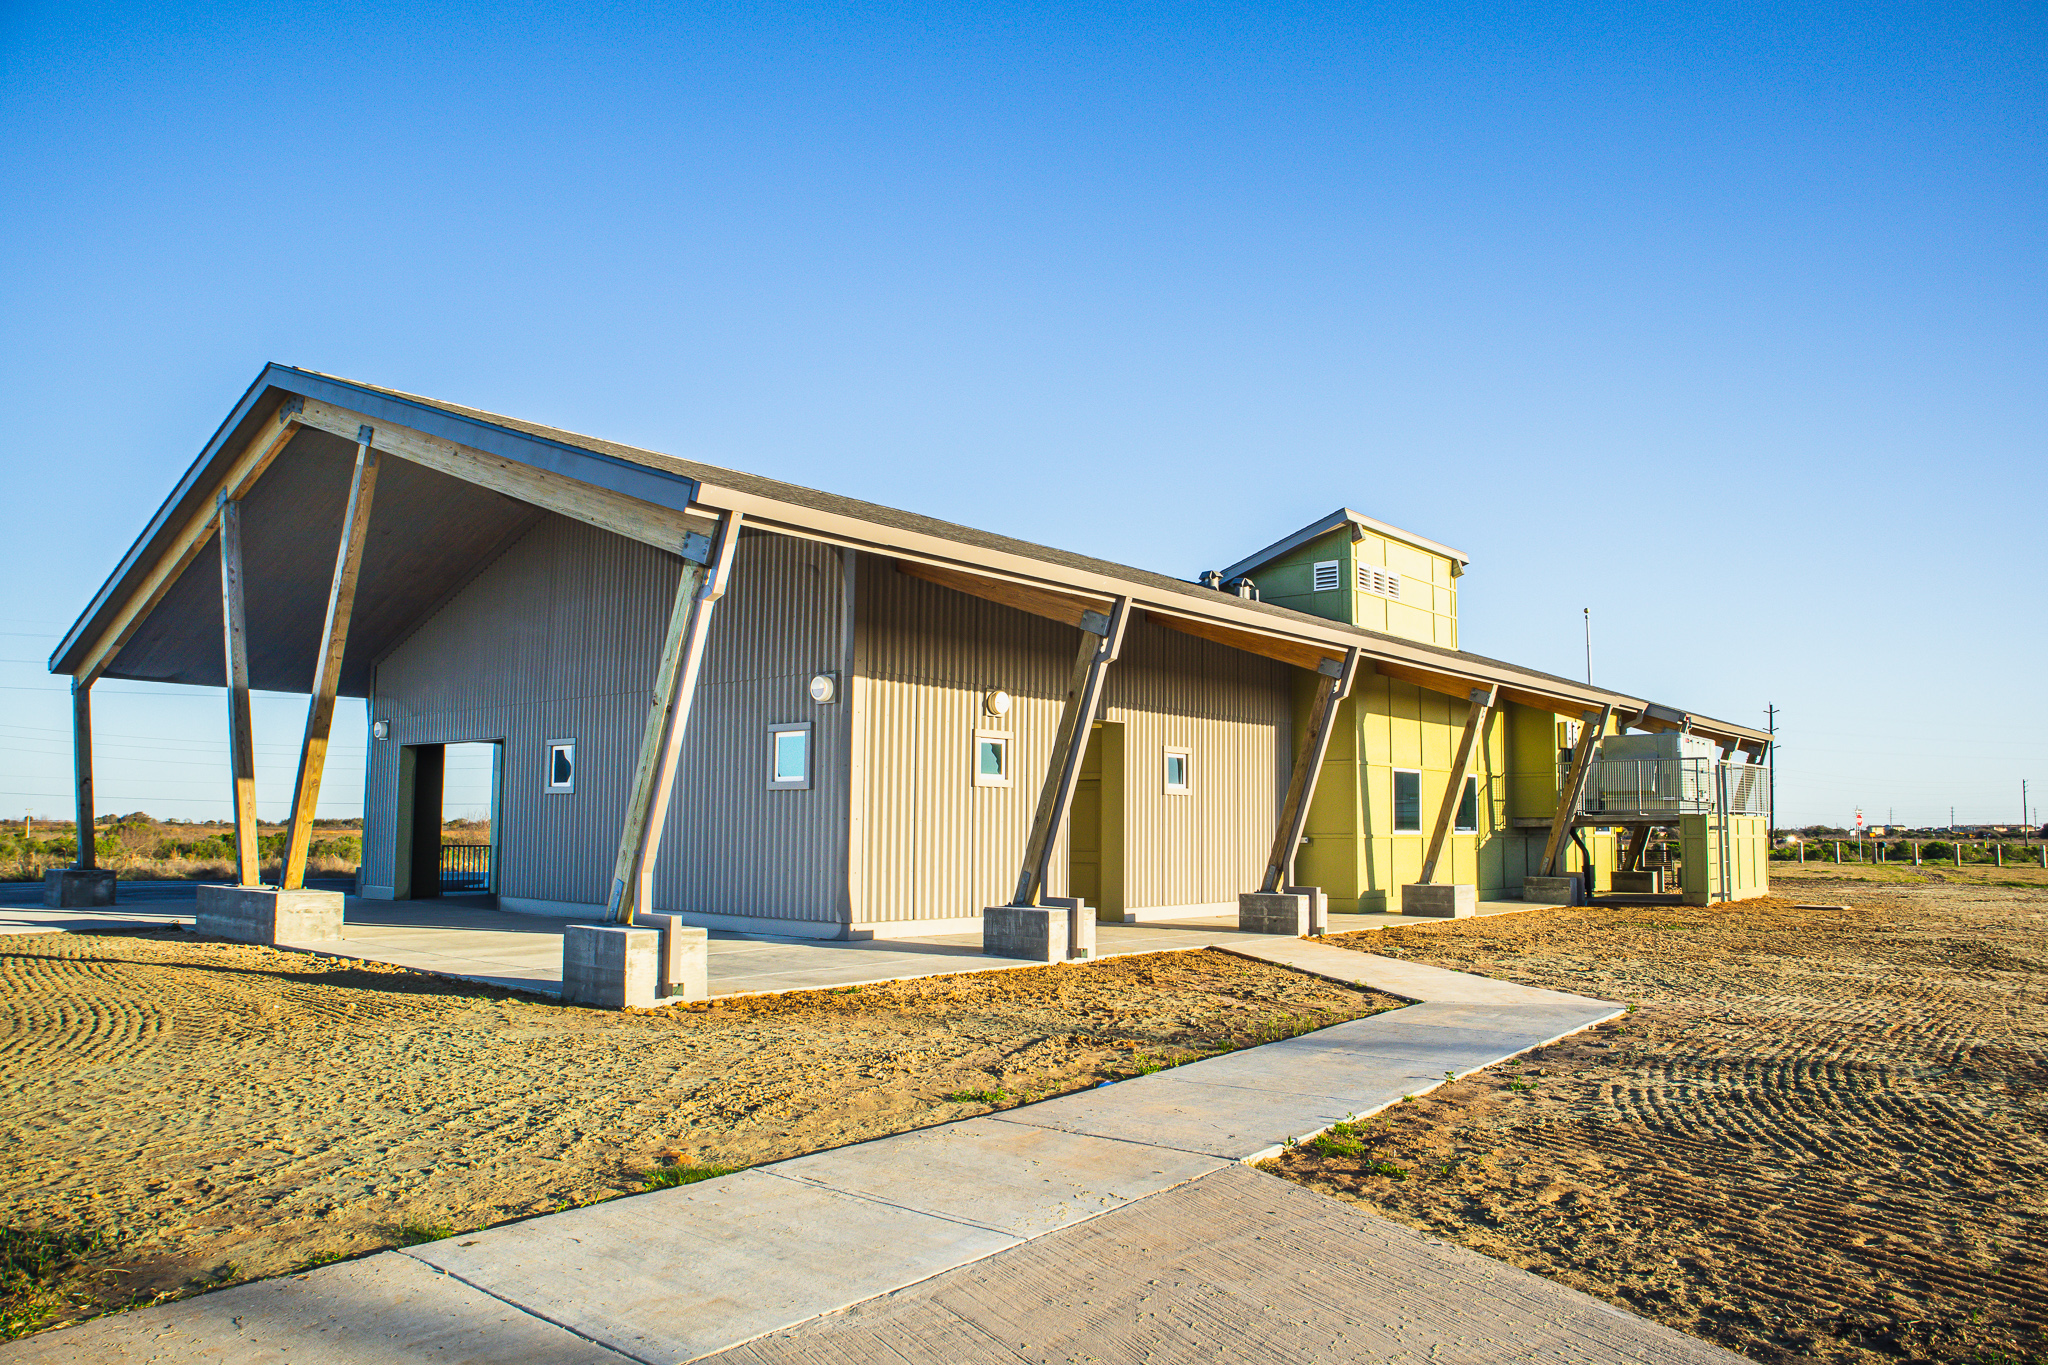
[1380,582]
[1326,576]
[1407,800]
[1468,807]
[991,758]
[561,765]
[1180,776]
[789,756]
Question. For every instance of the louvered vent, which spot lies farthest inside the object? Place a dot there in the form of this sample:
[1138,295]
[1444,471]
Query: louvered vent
[1326,576]
[1383,582]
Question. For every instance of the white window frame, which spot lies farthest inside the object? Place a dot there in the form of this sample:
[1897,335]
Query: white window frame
[776,782]
[1328,575]
[1380,582]
[1396,792]
[1000,738]
[547,776]
[1187,771]
[1471,785]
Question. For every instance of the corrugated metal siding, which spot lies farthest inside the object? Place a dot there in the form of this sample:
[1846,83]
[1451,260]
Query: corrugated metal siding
[935,846]
[558,640]
[1232,712]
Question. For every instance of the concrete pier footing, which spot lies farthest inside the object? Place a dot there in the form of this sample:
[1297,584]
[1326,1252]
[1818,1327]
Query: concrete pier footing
[1440,900]
[1553,891]
[1651,881]
[1036,933]
[72,888]
[1276,912]
[265,914]
[611,967]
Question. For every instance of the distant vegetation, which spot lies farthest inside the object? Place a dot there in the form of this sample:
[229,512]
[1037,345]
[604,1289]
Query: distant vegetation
[141,847]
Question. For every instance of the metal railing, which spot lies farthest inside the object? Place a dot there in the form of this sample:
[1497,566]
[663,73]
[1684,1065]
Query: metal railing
[1622,787]
[465,867]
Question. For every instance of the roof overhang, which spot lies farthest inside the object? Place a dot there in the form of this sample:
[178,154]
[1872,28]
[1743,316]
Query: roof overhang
[466,483]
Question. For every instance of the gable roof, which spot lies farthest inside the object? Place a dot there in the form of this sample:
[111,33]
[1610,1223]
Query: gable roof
[1343,516]
[687,486]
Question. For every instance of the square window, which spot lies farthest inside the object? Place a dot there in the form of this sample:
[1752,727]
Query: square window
[1180,778]
[991,758]
[1407,801]
[561,771]
[1468,807]
[789,756]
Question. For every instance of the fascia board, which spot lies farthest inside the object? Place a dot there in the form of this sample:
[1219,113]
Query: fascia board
[811,523]
[660,487]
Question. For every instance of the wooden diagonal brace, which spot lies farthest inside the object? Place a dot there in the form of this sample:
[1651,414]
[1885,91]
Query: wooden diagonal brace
[1333,685]
[241,738]
[1591,723]
[668,713]
[341,600]
[1483,700]
[1102,639]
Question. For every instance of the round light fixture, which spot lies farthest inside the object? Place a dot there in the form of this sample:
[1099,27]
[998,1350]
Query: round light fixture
[381,729]
[825,688]
[997,703]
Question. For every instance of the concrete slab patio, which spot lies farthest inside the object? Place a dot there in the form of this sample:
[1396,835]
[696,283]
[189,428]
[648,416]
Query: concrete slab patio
[468,938]
[1117,1223]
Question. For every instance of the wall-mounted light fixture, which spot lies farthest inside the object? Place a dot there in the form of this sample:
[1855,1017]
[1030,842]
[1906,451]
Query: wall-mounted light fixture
[381,729]
[996,703]
[825,688]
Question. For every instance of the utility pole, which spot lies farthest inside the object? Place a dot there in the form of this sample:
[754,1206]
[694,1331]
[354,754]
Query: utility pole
[1771,774]
[1589,646]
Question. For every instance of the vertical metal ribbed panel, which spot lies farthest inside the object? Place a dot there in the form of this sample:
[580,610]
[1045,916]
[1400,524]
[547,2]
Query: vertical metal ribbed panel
[558,639]
[1231,712]
[733,845]
[936,846]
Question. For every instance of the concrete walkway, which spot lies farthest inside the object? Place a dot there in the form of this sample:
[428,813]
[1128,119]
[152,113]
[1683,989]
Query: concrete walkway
[467,938]
[1112,1224]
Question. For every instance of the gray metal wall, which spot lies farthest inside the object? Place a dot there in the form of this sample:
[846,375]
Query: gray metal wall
[558,639]
[930,845]
[1233,712]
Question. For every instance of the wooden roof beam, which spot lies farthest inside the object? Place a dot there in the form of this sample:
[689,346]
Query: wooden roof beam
[683,533]
[1300,653]
[1065,607]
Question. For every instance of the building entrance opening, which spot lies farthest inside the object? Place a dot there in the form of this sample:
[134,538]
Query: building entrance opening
[448,826]
[1095,859]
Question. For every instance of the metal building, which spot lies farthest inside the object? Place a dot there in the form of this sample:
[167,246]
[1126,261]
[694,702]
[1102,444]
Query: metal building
[762,707]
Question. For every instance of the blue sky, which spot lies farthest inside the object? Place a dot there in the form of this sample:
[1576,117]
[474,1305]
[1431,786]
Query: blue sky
[1727,322]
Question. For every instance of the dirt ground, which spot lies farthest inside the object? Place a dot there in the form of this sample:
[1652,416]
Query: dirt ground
[181,1114]
[1819,1135]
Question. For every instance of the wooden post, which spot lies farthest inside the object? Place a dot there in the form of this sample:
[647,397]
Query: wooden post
[1591,723]
[1102,639]
[1334,681]
[241,738]
[705,571]
[341,600]
[1638,844]
[81,770]
[1482,699]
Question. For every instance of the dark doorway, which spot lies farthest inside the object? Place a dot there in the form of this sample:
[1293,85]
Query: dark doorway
[418,834]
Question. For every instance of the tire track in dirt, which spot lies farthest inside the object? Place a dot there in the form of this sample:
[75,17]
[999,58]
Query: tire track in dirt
[1834,1149]
[209,1102]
